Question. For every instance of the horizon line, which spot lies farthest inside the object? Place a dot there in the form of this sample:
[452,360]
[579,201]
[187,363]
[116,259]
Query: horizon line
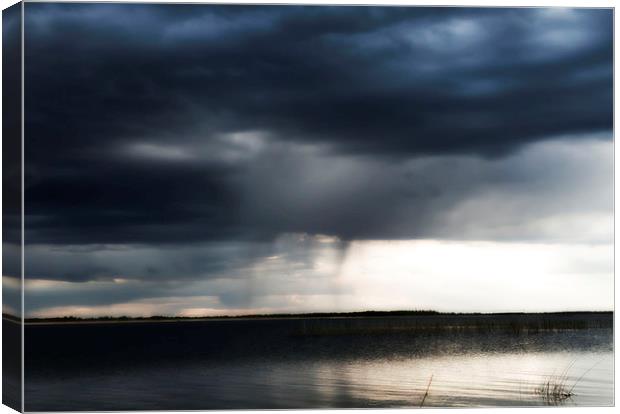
[398,312]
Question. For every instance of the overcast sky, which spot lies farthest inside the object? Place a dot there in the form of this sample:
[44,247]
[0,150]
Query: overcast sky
[193,159]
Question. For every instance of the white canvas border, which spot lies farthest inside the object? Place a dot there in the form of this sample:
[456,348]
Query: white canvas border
[478,3]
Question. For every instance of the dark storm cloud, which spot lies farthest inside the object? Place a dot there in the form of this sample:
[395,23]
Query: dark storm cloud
[11,124]
[404,80]
[158,124]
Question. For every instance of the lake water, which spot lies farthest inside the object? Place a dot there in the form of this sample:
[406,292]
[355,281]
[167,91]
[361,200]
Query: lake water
[245,364]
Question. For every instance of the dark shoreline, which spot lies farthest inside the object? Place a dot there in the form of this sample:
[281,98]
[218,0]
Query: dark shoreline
[422,315]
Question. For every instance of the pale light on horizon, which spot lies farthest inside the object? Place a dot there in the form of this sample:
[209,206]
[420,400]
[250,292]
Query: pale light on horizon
[447,276]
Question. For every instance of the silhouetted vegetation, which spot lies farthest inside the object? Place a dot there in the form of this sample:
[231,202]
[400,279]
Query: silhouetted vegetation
[555,389]
[251,316]
[516,323]
[394,322]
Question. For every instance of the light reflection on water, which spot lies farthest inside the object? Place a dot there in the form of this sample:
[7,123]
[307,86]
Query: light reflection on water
[464,380]
[458,381]
[470,380]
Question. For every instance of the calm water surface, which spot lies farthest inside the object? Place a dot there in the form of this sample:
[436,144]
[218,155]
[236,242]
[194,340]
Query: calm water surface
[260,364]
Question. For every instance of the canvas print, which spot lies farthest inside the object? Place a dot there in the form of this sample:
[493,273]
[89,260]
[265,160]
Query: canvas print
[233,206]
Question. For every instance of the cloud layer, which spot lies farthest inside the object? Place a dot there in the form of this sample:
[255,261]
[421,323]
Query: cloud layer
[158,122]
[190,143]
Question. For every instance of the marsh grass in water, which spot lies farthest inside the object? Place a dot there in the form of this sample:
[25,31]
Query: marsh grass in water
[555,389]
[453,323]
[558,388]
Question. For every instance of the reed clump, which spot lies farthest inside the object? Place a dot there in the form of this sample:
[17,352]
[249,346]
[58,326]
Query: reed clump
[555,389]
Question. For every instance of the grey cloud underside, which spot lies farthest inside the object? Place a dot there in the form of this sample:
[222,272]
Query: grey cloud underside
[224,275]
[158,125]
[553,192]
